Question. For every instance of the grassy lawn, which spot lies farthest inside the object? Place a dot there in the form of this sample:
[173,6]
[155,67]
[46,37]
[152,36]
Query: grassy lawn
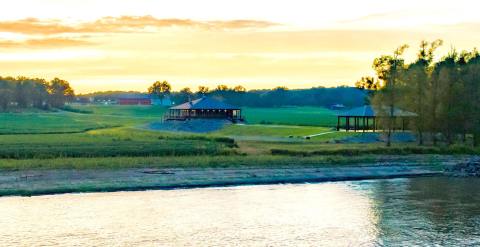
[67,122]
[38,123]
[98,116]
[308,116]
[137,111]
[271,130]
[109,131]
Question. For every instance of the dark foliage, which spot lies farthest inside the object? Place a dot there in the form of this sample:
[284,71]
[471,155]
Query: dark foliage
[23,92]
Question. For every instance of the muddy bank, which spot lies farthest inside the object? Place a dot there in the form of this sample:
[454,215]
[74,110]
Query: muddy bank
[470,168]
[39,182]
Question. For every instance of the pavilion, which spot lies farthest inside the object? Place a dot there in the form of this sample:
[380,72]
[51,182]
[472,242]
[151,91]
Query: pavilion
[204,108]
[365,118]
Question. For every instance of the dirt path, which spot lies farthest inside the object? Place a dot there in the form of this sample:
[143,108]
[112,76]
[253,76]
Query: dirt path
[321,134]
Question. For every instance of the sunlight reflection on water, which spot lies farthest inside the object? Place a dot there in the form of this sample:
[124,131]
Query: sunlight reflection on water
[327,214]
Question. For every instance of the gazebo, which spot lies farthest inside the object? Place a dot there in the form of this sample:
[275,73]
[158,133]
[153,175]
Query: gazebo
[366,118]
[204,108]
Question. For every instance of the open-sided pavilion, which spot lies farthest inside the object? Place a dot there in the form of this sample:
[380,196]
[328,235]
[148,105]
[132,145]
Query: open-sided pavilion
[365,118]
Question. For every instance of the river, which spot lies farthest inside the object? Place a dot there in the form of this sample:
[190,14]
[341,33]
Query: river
[395,212]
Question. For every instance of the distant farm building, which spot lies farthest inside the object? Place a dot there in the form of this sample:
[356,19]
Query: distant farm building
[204,108]
[366,118]
[337,107]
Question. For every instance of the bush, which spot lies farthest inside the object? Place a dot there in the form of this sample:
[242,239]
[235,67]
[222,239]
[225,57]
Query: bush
[75,110]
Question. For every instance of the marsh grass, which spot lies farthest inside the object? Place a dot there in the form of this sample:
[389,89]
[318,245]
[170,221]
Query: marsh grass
[118,142]
[378,150]
[196,161]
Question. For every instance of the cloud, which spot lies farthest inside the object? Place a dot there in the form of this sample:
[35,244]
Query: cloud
[122,24]
[44,43]
[35,26]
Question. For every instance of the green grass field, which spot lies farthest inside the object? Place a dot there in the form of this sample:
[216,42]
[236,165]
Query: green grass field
[99,117]
[38,123]
[127,116]
[95,131]
[271,130]
[307,116]
[100,134]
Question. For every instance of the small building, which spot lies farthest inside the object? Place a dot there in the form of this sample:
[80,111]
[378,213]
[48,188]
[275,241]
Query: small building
[134,99]
[366,118]
[204,108]
[337,107]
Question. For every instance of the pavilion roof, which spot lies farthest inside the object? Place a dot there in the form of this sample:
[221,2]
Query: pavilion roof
[204,103]
[369,111]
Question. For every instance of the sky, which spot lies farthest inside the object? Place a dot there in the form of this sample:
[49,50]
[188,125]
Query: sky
[129,44]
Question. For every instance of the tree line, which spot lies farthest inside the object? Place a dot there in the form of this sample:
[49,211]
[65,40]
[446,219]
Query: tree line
[444,93]
[24,92]
[240,96]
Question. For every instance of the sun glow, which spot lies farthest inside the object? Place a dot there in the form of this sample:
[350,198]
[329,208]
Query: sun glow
[100,45]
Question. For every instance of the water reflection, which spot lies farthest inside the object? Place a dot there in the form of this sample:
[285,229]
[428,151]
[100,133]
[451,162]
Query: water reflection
[400,212]
[282,215]
[425,211]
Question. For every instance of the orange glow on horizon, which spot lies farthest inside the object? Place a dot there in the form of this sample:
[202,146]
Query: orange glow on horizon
[126,45]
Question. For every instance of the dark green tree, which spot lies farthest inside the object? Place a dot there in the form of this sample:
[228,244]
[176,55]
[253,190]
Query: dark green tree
[160,89]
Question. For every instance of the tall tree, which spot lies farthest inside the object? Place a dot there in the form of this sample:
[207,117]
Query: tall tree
[222,88]
[202,90]
[416,81]
[370,85]
[185,94]
[160,89]
[60,92]
[6,93]
[388,69]
[472,80]
[39,93]
[239,88]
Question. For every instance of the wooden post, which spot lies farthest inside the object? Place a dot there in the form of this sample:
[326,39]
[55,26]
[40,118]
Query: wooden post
[338,123]
[363,127]
[374,124]
[354,124]
[347,123]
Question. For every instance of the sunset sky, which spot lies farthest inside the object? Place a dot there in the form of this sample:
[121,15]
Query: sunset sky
[128,44]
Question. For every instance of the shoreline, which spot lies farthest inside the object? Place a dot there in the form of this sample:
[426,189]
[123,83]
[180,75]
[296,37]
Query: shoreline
[61,181]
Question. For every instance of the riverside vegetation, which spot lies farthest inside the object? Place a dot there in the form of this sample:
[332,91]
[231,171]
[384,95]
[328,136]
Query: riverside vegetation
[95,136]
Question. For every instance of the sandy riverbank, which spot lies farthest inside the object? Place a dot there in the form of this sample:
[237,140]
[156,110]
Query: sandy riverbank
[40,182]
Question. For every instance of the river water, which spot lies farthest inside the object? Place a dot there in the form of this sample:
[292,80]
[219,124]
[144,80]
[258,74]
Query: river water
[395,212]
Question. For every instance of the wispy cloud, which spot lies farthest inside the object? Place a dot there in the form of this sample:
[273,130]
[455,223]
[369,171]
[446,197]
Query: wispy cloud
[122,24]
[43,43]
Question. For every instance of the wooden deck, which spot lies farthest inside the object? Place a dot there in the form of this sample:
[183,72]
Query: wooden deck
[185,118]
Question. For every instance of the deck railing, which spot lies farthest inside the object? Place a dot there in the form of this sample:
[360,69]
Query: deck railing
[183,118]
